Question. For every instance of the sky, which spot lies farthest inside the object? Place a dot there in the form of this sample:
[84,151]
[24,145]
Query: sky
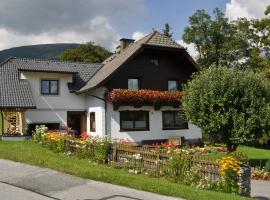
[27,22]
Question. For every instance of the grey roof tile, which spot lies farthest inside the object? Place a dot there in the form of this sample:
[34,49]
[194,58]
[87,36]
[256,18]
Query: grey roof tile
[16,93]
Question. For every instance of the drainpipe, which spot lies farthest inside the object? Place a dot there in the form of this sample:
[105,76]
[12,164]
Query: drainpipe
[2,121]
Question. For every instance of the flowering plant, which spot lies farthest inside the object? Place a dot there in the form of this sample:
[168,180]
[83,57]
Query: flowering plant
[229,168]
[260,174]
[229,163]
[144,97]
[39,132]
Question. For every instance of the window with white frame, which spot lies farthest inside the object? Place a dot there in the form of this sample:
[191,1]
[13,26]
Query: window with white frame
[133,83]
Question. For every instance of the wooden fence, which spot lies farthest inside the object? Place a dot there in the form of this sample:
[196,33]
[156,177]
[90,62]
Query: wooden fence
[153,159]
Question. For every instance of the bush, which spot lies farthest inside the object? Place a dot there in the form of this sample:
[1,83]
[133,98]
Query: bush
[229,104]
[39,132]
[229,170]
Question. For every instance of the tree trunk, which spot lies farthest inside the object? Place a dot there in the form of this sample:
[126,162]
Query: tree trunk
[231,147]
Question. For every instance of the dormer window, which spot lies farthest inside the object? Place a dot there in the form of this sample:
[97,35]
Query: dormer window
[133,83]
[154,61]
[50,87]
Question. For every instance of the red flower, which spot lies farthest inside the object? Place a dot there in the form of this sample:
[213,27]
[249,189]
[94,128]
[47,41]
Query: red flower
[85,136]
[145,97]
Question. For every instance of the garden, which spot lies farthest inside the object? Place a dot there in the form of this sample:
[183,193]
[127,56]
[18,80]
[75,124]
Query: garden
[189,166]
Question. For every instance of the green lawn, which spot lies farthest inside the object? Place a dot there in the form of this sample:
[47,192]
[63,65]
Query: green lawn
[32,153]
[251,152]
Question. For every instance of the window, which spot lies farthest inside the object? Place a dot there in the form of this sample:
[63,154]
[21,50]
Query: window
[92,121]
[134,120]
[173,120]
[50,87]
[133,83]
[154,61]
[173,85]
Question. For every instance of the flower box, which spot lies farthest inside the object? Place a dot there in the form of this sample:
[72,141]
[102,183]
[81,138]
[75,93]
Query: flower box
[139,98]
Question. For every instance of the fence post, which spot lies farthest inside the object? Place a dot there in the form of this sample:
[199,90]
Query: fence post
[158,156]
[114,152]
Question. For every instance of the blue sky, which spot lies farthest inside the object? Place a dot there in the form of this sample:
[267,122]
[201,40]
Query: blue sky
[175,12]
[27,22]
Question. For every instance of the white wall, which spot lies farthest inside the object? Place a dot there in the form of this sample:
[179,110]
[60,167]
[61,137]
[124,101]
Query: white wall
[155,123]
[46,116]
[52,108]
[95,103]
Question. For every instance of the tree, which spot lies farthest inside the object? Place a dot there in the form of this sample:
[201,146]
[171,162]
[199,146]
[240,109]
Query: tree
[88,52]
[229,104]
[216,40]
[167,30]
[222,42]
[257,34]
[267,11]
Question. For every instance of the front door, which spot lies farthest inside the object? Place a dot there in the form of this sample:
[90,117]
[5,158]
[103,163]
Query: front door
[76,120]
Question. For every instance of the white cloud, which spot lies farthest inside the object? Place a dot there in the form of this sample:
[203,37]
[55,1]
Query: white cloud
[25,22]
[191,49]
[100,31]
[246,8]
[138,35]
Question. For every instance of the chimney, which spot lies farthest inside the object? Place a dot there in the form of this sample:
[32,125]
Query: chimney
[124,43]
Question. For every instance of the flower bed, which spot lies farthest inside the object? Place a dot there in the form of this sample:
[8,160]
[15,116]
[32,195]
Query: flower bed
[260,174]
[144,97]
[86,146]
[176,164]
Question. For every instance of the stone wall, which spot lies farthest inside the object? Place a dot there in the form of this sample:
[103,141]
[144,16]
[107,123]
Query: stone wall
[244,181]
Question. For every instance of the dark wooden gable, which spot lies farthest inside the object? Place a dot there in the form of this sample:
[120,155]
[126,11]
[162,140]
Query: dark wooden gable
[173,65]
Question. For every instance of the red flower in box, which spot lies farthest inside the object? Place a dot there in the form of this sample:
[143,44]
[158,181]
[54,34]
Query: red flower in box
[144,97]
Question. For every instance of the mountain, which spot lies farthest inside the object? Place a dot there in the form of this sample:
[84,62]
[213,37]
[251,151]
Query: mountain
[42,51]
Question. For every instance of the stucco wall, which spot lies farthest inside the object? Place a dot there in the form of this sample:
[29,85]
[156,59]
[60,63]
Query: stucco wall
[95,103]
[65,99]
[52,108]
[46,116]
[155,123]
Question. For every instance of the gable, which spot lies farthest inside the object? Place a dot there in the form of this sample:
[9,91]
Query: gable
[173,65]
[113,64]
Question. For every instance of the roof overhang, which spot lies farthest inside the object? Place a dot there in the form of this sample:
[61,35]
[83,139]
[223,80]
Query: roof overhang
[46,71]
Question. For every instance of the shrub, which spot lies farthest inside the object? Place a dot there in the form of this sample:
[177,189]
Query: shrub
[231,105]
[39,132]
[229,169]
[177,165]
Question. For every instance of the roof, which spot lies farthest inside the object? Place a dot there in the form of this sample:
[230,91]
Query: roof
[16,93]
[38,65]
[115,61]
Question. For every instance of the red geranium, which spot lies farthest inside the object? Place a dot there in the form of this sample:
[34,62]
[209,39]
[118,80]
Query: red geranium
[145,97]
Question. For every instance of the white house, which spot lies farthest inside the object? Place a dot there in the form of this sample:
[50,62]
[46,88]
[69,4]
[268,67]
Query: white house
[60,94]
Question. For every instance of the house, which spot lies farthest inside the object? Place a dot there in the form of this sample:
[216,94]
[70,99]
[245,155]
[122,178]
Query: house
[71,94]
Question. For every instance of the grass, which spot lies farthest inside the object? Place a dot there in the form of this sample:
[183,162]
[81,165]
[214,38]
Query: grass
[0,123]
[34,154]
[251,152]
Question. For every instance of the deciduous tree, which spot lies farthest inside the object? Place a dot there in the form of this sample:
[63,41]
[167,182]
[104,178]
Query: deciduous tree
[231,105]
[88,52]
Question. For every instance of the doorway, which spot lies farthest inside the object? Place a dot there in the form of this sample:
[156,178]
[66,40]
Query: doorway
[76,120]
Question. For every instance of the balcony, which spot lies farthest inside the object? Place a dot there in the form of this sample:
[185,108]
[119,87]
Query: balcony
[138,98]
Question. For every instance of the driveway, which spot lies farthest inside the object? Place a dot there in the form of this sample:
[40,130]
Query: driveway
[21,181]
[260,189]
